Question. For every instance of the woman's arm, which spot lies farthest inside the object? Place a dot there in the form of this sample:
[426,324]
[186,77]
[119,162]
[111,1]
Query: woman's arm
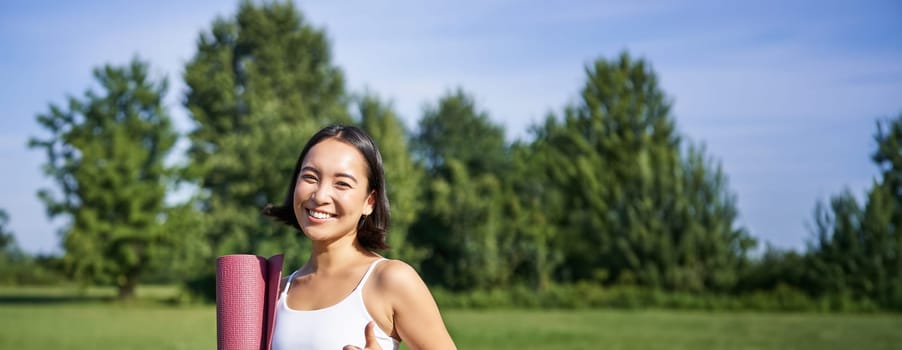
[417,320]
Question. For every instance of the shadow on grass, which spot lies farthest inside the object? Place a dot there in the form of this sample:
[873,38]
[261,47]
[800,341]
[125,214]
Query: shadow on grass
[66,294]
[145,295]
[53,299]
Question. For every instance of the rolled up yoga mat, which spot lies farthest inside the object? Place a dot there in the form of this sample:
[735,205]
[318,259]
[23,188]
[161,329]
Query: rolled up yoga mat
[247,287]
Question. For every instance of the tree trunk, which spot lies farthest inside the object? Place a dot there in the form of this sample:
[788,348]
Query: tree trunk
[127,288]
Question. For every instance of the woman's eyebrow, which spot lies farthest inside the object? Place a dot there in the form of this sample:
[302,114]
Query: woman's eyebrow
[347,176]
[315,170]
[310,168]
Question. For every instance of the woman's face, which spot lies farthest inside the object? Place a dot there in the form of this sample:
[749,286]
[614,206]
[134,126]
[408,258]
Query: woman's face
[332,192]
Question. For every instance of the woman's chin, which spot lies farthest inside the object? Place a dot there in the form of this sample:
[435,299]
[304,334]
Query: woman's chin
[319,232]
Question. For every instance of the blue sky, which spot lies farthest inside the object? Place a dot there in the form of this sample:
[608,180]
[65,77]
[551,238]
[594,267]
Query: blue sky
[784,93]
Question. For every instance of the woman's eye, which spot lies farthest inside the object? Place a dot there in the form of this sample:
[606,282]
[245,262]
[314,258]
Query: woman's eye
[308,178]
[344,185]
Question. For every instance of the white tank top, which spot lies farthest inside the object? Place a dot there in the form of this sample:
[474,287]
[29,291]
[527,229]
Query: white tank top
[329,328]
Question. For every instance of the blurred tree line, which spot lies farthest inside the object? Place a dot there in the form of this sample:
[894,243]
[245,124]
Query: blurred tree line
[605,193]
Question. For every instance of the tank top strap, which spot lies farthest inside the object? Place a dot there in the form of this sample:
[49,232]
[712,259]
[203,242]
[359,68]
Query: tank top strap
[288,282]
[366,276]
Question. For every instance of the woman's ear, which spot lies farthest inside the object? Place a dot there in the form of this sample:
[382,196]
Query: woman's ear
[370,203]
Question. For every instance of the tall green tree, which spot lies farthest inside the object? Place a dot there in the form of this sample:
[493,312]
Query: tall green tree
[856,250]
[261,83]
[713,250]
[467,238]
[529,212]
[403,176]
[462,227]
[839,246]
[10,253]
[455,128]
[106,153]
[16,266]
[883,214]
[7,240]
[632,208]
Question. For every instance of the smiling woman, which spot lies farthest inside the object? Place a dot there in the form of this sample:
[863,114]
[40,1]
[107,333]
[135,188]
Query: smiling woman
[337,198]
[328,198]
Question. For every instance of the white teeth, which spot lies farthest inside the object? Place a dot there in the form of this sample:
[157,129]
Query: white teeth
[319,214]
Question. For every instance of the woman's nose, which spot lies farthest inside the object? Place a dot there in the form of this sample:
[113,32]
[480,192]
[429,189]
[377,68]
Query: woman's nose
[321,194]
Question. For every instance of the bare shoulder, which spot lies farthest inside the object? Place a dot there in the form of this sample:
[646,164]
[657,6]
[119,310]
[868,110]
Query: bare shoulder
[391,268]
[396,271]
[397,276]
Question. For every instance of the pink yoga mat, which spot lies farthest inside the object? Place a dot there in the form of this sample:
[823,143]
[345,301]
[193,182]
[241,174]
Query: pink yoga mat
[247,287]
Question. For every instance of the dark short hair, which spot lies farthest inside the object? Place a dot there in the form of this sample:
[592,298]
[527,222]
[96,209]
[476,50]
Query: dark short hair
[371,229]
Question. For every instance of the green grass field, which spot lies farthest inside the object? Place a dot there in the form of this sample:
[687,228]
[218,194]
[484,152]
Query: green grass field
[54,319]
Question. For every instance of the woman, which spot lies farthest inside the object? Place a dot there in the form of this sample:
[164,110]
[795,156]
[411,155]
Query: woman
[346,295]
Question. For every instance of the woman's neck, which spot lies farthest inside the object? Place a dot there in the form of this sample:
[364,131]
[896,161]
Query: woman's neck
[336,255]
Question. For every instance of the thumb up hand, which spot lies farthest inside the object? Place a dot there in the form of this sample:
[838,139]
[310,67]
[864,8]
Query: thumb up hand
[370,336]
